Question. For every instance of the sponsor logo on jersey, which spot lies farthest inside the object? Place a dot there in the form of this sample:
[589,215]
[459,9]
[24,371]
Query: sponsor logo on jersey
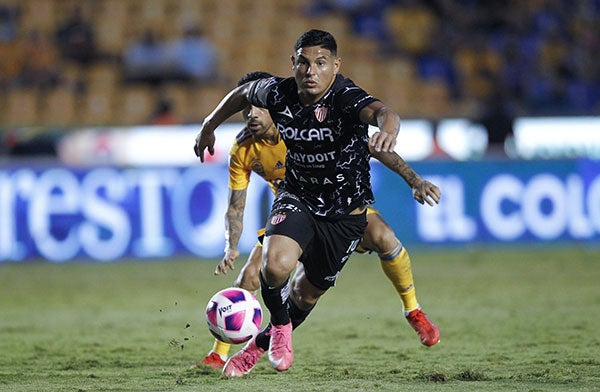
[317,180]
[312,158]
[307,135]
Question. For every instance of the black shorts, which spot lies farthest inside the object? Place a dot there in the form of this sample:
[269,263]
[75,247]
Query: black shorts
[326,243]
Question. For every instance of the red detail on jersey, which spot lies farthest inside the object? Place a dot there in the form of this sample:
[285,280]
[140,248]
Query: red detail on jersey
[321,113]
[277,219]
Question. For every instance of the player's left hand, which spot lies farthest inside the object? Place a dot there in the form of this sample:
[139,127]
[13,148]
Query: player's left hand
[383,141]
[426,192]
[204,140]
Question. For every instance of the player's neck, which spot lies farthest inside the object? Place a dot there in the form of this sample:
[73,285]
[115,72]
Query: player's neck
[272,137]
[308,100]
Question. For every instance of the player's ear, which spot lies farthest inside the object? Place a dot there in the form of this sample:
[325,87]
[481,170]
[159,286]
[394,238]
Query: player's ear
[292,57]
[336,65]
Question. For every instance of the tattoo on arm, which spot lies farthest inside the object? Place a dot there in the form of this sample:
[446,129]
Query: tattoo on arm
[399,166]
[406,172]
[234,217]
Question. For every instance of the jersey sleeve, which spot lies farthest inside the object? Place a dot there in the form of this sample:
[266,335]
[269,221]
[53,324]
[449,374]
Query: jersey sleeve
[259,91]
[353,98]
[239,174]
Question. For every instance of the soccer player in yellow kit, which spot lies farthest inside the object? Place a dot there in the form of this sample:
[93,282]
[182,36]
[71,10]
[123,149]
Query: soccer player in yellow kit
[258,148]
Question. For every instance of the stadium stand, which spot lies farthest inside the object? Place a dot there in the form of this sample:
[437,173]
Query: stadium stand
[424,58]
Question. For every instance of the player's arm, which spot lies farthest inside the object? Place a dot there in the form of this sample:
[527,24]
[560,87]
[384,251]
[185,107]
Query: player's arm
[423,191]
[234,218]
[235,101]
[388,122]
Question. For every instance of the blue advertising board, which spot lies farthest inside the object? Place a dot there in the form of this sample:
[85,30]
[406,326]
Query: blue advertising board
[495,202]
[106,213]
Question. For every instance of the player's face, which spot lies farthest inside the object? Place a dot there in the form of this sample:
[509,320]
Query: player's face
[258,121]
[314,70]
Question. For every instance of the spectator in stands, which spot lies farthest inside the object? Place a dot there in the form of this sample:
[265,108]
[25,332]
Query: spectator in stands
[75,38]
[192,56]
[365,15]
[497,118]
[10,51]
[41,61]
[8,23]
[144,59]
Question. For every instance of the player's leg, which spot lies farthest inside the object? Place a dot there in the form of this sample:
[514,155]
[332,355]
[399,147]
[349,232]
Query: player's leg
[280,255]
[288,230]
[293,234]
[300,303]
[278,266]
[395,262]
[303,298]
[314,275]
[247,279]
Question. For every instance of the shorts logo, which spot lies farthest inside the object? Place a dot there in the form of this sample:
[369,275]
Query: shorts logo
[278,218]
[332,278]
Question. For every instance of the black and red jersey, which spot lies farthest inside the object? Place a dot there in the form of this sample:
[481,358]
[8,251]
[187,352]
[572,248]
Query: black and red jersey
[327,162]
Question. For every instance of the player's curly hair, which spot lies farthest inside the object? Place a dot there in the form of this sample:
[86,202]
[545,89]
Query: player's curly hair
[251,76]
[320,38]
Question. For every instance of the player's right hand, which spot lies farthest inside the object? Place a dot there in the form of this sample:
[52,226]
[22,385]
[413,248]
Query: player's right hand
[227,263]
[205,139]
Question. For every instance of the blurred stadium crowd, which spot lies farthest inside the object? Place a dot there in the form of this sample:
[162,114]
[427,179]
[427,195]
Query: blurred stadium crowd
[66,63]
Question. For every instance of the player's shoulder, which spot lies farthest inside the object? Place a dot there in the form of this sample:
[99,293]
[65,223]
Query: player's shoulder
[284,86]
[349,95]
[271,83]
[244,137]
[343,85]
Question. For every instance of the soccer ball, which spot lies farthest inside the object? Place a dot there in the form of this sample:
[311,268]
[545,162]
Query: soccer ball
[233,315]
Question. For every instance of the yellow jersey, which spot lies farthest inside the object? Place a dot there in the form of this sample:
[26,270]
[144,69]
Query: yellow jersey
[249,155]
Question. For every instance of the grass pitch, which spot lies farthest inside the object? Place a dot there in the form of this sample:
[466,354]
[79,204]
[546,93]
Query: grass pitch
[518,320]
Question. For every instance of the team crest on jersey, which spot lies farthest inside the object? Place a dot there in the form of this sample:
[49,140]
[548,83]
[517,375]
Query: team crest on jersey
[321,113]
[278,218]
[258,168]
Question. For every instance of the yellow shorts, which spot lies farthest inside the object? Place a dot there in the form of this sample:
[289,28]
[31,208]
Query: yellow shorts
[261,235]
[359,249]
[371,210]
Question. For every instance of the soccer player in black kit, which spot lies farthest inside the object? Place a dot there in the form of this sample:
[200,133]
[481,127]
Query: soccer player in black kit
[318,216]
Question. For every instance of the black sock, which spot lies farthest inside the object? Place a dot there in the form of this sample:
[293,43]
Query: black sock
[262,339]
[296,314]
[275,299]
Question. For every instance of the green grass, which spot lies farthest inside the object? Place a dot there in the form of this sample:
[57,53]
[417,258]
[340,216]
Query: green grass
[511,320]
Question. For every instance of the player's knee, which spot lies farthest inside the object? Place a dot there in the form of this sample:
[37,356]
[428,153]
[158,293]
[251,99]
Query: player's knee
[304,299]
[385,241]
[304,294]
[277,268]
[249,279]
